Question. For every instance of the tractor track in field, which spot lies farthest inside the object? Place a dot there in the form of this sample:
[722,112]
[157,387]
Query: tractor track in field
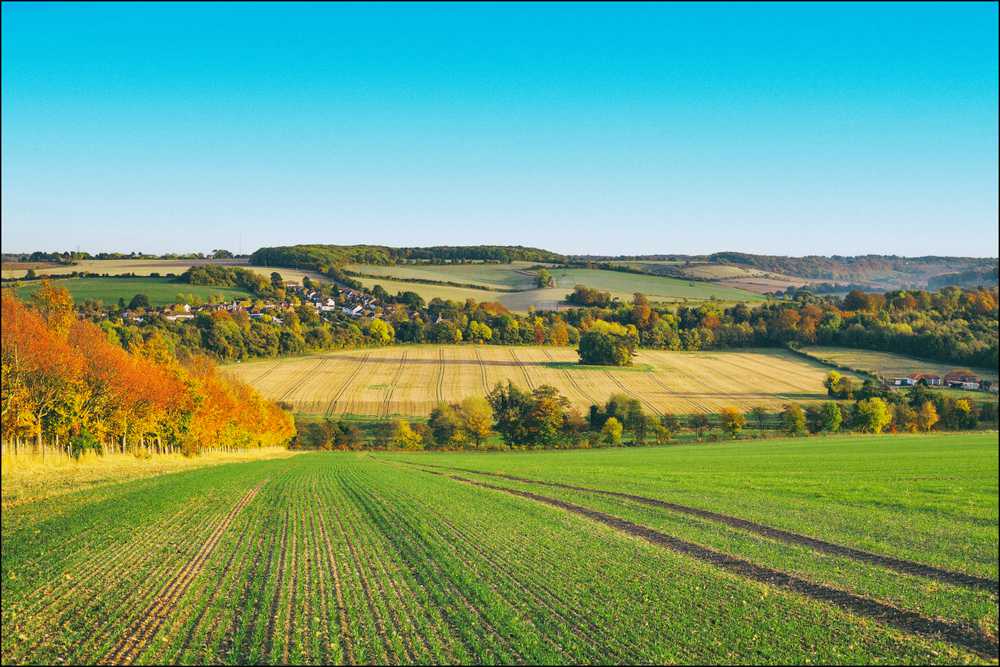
[345,631]
[265,373]
[572,380]
[967,637]
[213,596]
[482,371]
[439,576]
[142,631]
[663,385]
[301,381]
[41,600]
[524,371]
[440,377]
[343,387]
[82,598]
[867,557]
[384,411]
[376,615]
[632,394]
[574,626]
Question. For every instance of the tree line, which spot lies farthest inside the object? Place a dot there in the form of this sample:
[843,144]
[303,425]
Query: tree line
[67,386]
[512,418]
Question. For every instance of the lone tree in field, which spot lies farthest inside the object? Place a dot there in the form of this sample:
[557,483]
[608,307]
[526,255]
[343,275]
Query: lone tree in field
[608,344]
[544,279]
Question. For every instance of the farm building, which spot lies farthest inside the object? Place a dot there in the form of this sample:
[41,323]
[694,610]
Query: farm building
[961,380]
[927,378]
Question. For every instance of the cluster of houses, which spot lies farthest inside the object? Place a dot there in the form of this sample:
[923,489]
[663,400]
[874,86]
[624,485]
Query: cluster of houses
[352,302]
[953,380]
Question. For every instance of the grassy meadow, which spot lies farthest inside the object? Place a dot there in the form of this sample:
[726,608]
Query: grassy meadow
[886,364]
[840,550]
[412,379]
[161,291]
[514,284]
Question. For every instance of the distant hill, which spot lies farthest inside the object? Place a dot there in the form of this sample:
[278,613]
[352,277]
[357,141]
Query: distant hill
[323,257]
[873,271]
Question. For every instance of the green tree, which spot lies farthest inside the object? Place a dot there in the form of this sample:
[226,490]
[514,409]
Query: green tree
[794,419]
[927,416]
[759,415]
[139,301]
[871,415]
[381,331]
[612,431]
[699,423]
[478,418]
[404,437]
[733,421]
[447,425]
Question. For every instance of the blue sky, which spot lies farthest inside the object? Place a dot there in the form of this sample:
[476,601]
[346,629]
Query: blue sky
[812,129]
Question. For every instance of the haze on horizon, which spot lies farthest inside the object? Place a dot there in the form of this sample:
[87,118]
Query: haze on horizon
[592,129]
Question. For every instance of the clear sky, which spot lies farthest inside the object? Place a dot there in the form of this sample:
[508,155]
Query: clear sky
[812,129]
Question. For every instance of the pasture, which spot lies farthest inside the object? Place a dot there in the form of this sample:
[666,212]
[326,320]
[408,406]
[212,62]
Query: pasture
[412,379]
[886,364]
[514,284]
[837,550]
[142,267]
[161,291]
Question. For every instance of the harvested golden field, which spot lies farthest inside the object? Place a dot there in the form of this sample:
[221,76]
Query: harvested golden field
[412,379]
[142,267]
[886,364]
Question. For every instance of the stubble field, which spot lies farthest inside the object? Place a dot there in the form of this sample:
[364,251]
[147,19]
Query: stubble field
[412,379]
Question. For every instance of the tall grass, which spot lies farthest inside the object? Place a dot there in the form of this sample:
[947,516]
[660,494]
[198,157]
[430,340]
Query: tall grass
[27,476]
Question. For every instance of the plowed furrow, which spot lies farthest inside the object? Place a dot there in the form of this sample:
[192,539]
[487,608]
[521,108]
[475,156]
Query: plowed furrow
[972,639]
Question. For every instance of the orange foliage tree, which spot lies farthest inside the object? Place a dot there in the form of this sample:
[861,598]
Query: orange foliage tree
[62,376]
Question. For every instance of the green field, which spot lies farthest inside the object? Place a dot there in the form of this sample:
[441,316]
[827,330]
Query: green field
[161,291]
[886,364]
[839,550]
[513,284]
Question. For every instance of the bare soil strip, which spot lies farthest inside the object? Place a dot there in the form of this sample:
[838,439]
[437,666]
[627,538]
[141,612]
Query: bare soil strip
[888,562]
[965,636]
[189,637]
[350,378]
[142,631]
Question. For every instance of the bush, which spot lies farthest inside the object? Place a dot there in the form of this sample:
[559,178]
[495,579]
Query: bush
[84,442]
